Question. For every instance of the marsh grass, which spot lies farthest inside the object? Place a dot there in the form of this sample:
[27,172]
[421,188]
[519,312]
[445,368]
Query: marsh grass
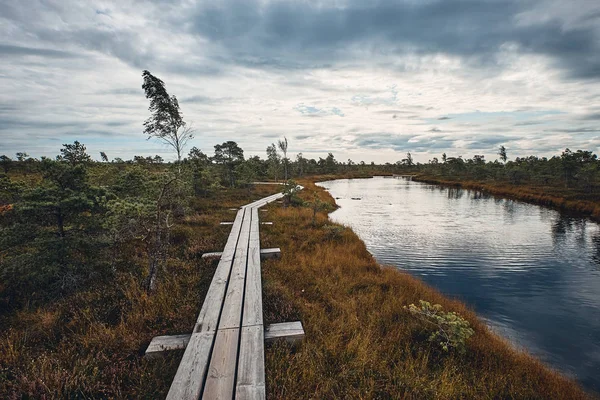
[360,343]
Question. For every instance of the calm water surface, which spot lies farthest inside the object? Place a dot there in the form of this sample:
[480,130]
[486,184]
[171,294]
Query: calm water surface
[530,272]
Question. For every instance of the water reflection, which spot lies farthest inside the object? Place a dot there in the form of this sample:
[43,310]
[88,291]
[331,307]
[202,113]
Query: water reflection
[531,272]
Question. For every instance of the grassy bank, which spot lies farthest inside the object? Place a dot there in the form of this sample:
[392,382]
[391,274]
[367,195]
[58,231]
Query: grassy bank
[360,341]
[550,196]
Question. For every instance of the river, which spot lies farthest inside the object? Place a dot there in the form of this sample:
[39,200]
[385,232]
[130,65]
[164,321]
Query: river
[532,273]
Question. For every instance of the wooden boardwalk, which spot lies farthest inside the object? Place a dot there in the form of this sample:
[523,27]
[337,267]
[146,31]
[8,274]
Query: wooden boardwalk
[224,354]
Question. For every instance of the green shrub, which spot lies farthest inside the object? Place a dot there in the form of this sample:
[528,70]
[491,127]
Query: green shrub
[333,232]
[452,330]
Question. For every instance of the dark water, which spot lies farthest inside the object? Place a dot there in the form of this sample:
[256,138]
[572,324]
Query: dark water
[530,272]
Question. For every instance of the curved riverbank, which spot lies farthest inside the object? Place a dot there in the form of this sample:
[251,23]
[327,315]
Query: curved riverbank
[534,195]
[360,341]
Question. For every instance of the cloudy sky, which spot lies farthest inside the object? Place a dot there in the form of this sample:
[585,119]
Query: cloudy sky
[366,80]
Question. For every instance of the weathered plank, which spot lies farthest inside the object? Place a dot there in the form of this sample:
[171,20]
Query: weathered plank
[290,331]
[225,223]
[266,223]
[215,254]
[270,253]
[251,364]
[208,318]
[231,314]
[264,253]
[253,313]
[189,378]
[221,373]
[161,344]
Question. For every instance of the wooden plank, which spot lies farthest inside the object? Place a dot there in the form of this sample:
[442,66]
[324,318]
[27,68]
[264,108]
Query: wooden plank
[215,254]
[208,318]
[221,373]
[270,253]
[231,314]
[253,312]
[254,241]
[274,252]
[162,344]
[290,331]
[189,378]
[225,223]
[232,307]
[266,223]
[251,364]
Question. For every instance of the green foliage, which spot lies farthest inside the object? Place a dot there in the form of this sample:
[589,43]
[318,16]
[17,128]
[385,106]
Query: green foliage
[229,155]
[74,154]
[54,234]
[333,232]
[290,190]
[273,162]
[451,330]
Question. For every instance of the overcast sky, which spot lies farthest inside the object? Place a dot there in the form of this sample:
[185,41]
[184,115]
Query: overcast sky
[366,80]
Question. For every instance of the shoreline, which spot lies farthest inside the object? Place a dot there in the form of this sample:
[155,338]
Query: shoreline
[578,208]
[352,311]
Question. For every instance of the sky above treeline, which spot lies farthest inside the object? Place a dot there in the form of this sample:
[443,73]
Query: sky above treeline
[365,80]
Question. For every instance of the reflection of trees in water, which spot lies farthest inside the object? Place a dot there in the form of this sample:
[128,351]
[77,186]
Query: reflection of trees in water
[563,225]
[596,250]
[580,227]
[455,193]
[509,208]
[559,228]
[546,214]
[479,195]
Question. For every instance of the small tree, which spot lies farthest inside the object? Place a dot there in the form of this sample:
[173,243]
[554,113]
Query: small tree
[289,193]
[273,161]
[103,156]
[502,154]
[283,146]
[74,154]
[22,156]
[166,120]
[199,161]
[229,154]
[6,163]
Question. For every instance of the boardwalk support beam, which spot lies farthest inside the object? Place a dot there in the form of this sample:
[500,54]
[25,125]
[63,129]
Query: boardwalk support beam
[292,332]
[264,254]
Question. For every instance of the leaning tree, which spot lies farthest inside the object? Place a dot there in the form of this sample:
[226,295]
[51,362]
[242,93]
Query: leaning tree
[166,120]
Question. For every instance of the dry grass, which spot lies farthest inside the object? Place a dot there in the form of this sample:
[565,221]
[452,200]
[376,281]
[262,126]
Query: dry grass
[360,343]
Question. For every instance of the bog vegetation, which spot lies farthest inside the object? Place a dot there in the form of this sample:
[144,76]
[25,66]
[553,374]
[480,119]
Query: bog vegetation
[98,257]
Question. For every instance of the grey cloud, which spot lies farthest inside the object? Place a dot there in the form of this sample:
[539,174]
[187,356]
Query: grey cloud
[574,130]
[528,123]
[443,118]
[199,99]
[476,30]
[591,117]
[10,50]
[124,91]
